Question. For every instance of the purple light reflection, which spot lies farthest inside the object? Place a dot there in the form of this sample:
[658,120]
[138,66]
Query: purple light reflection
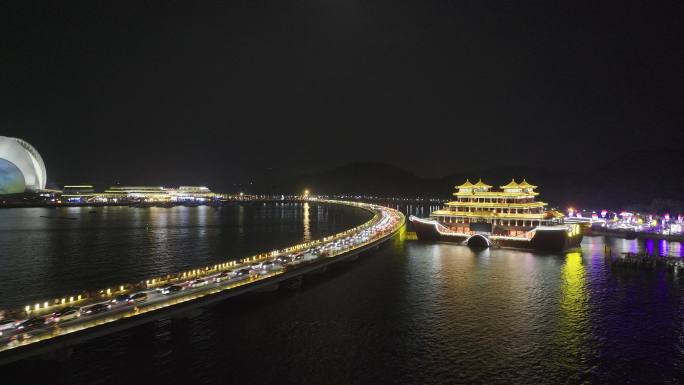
[649,244]
[663,247]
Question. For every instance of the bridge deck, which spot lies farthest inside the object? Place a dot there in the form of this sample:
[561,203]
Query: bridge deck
[19,344]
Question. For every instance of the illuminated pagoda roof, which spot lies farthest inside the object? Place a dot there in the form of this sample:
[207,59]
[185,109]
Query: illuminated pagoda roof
[482,184]
[524,184]
[514,201]
[467,184]
[554,214]
[512,189]
[511,184]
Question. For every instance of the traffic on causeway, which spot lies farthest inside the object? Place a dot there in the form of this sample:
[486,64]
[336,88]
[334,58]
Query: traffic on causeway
[45,327]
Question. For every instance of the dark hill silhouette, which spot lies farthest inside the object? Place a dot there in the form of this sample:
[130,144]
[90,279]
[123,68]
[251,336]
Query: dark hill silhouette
[637,179]
[369,178]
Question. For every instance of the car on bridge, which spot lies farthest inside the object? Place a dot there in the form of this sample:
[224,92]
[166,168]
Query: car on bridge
[139,297]
[243,273]
[283,260]
[222,276]
[96,309]
[66,314]
[171,289]
[31,324]
[261,265]
[7,325]
[121,299]
[199,282]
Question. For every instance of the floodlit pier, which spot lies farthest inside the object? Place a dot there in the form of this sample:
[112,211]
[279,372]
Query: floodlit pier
[60,323]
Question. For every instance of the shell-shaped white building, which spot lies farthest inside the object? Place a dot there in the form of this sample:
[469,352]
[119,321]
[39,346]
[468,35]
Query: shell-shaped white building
[21,167]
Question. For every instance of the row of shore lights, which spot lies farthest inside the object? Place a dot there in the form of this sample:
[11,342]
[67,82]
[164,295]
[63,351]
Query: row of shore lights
[46,304]
[195,272]
[65,300]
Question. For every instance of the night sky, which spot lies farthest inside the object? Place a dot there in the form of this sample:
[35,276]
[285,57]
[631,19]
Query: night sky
[212,93]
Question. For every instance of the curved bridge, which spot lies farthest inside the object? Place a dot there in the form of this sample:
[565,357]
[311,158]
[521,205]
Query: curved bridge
[198,287]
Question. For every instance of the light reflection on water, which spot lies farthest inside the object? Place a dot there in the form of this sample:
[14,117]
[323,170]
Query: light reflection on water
[573,324]
[47,253]
[418,313]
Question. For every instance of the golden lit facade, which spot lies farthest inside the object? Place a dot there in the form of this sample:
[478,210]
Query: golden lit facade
[510,211]
[160,194]
[138,194]
[78,193]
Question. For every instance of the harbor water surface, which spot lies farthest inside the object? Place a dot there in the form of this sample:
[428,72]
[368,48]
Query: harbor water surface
[418,313]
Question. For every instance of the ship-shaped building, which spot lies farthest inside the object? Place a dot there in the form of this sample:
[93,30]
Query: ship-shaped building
[510,217]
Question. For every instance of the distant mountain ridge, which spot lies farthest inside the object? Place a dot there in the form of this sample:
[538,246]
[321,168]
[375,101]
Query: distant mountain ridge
[636,180]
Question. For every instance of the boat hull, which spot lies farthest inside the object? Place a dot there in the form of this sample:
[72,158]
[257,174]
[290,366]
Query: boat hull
[546,240]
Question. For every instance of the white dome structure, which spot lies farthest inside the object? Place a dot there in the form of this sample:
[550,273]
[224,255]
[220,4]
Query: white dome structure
[21,167]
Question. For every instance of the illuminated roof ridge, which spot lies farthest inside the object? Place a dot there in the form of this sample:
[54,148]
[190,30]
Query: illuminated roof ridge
[480,183]
[467,184]
[525,184]
[511,184]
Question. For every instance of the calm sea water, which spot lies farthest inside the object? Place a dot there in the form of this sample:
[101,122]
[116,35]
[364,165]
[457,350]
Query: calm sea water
[48,253]
[416,313]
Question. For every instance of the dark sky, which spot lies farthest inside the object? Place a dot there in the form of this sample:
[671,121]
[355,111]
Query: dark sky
[173,92]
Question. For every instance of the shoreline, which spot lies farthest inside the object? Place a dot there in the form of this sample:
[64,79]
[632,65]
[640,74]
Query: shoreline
[142,205]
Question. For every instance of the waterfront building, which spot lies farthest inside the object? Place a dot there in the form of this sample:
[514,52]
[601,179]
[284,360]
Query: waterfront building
[156,194]
[21,167]
[510,217]
[193,193]
[149,193]
[78,193]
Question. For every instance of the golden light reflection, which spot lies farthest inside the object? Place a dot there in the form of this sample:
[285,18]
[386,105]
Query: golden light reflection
[573,324]
[241,220]
[573,275]
[307,223]
[402,235]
